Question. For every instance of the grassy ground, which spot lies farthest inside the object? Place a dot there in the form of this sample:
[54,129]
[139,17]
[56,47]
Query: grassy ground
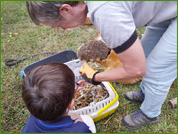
[33,39]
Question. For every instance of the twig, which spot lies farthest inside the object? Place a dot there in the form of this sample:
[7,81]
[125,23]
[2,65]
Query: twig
[108,119]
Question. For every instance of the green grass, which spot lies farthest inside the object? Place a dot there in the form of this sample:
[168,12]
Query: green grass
[33,39]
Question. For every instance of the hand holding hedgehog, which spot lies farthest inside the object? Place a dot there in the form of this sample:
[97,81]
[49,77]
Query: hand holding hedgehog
[97,52]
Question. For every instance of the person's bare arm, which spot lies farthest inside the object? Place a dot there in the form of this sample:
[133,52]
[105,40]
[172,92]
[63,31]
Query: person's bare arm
[134,65]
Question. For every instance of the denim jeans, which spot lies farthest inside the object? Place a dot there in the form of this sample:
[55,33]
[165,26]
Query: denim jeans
[160,47]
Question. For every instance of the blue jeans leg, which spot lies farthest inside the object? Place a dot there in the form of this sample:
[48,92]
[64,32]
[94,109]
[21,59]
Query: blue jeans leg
[160,47]
[151,37]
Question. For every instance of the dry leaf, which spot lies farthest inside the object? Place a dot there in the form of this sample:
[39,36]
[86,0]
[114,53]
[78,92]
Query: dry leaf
[127,112]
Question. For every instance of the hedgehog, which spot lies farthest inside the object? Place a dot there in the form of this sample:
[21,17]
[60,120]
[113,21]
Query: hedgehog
[93,51]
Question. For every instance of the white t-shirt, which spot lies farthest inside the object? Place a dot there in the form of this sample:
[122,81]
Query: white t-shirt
[89,122]
[117,20]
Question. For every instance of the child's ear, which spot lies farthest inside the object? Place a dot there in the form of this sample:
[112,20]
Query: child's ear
[71,104]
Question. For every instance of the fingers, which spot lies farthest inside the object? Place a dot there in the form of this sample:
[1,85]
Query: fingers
[80,88]
[81,82]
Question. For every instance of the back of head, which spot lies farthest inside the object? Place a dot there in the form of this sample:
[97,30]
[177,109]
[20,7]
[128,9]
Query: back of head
[47,90]
[46,11]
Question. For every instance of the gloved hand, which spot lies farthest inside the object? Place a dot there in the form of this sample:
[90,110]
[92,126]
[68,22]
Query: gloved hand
[88,73]
[112,61]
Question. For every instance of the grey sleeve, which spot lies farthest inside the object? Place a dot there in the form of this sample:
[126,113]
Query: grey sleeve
[126,44]
[116,25]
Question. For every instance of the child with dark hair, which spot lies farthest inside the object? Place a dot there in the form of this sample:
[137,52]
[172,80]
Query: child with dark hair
[48,92]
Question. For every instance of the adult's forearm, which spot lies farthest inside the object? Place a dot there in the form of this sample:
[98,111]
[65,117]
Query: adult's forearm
[134,65]
[117,75]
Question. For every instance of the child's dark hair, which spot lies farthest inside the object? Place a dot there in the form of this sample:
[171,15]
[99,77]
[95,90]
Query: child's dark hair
[47,90]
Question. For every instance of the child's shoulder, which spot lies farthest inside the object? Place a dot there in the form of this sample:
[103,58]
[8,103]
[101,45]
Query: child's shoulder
[85,119]
[81,118]
[76,117]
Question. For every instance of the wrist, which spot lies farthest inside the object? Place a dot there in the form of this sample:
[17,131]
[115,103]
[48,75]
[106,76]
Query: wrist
[96,77]
[94,80]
